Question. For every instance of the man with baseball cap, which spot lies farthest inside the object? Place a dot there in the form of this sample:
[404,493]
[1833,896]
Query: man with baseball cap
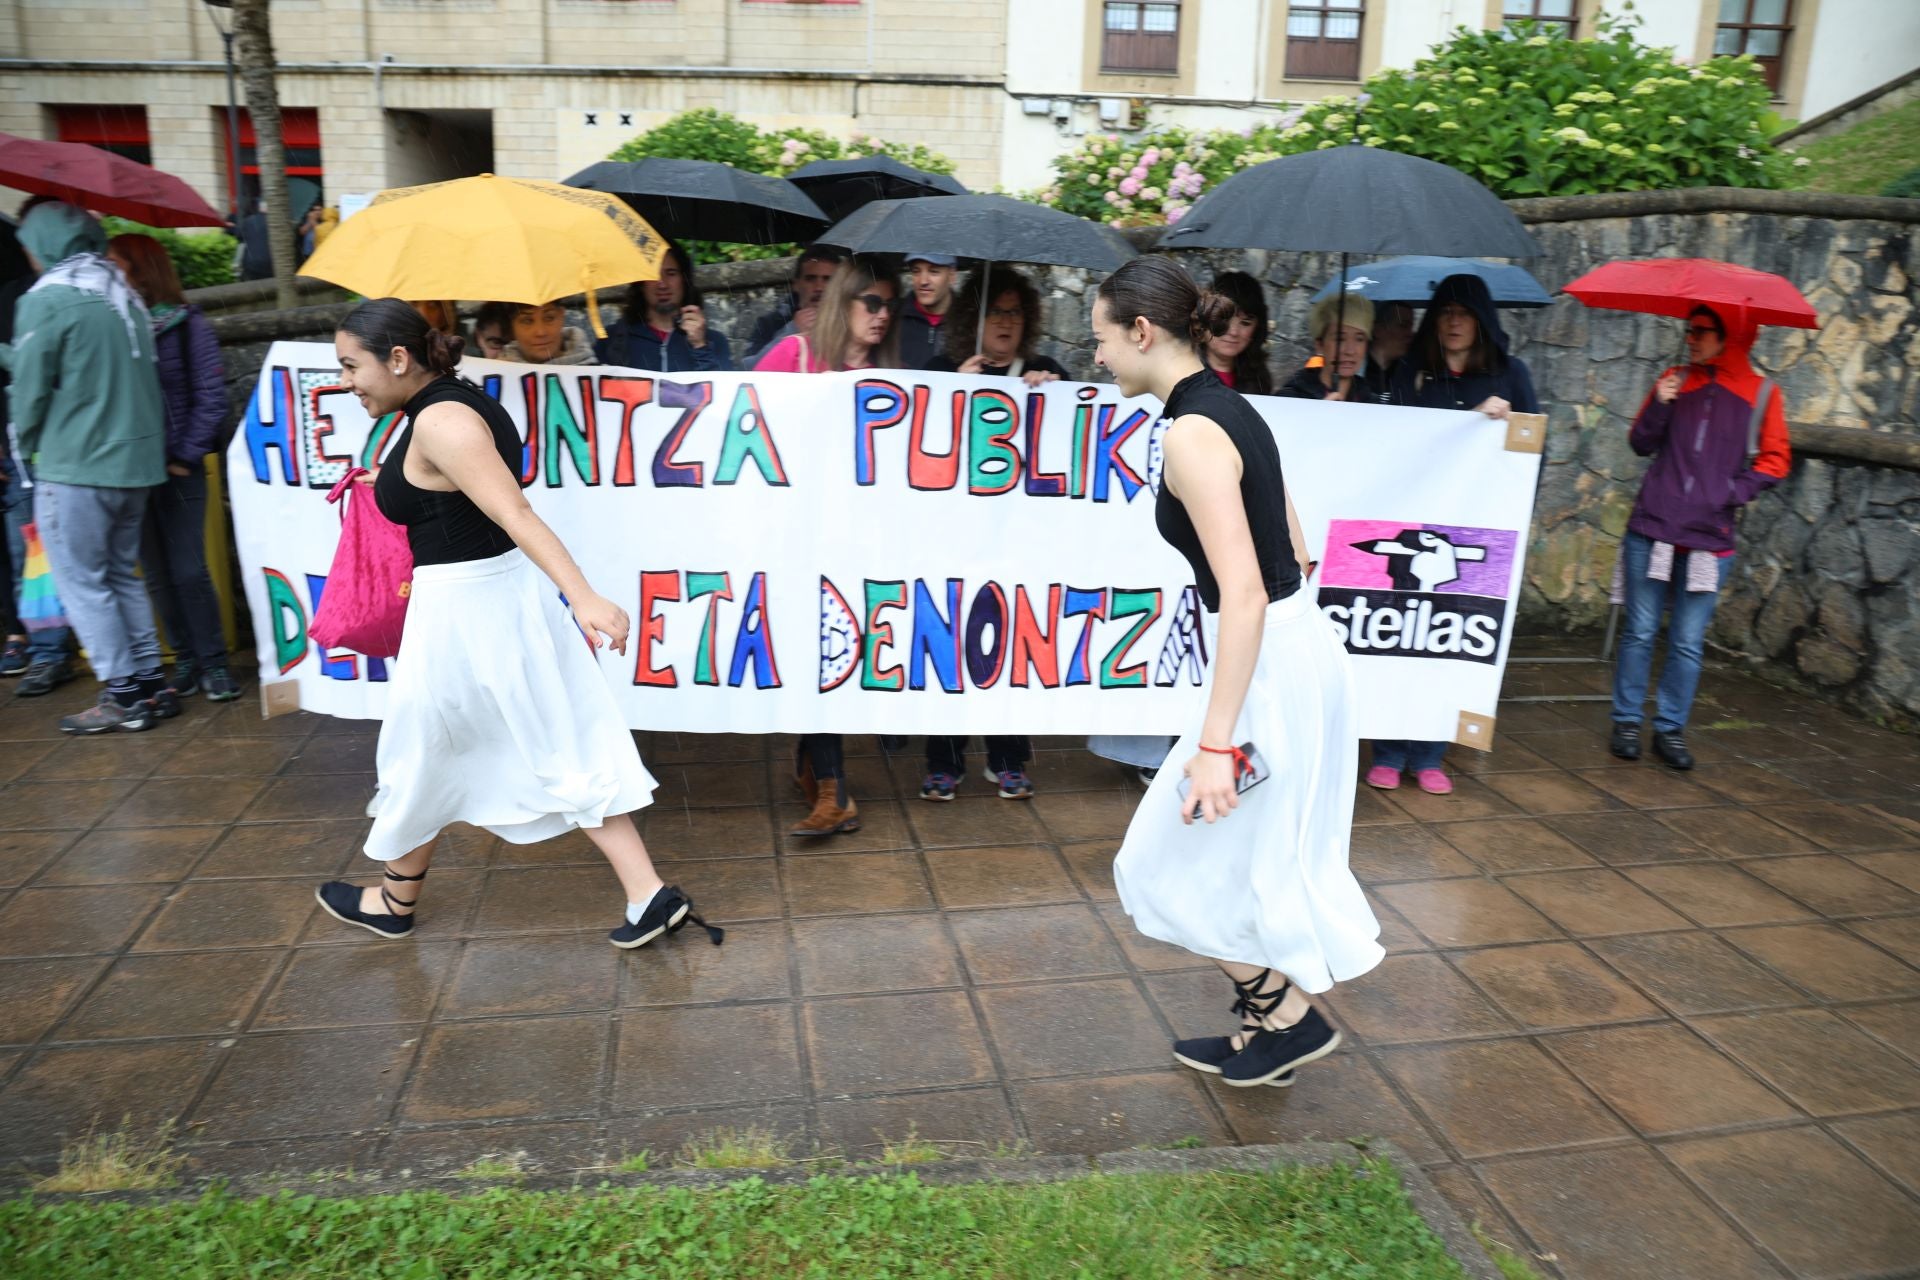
[932,276]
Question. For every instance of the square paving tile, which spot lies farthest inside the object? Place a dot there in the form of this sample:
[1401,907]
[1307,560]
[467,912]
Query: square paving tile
[1554,984]
[1621,1214]
[34,993]
[1896,1024]
[1892,1143]
[55,806]
[1016,944]
[228,758]
[1113,1113]
[1622,839]
[1468,912]
[87,759]
[1498,1097]
[1092,865]
[1470,798]
[1338,1098]
[1825,1066]
[75,921]
[1552,792]
[1595,903]
[1842,828]
[740,832]
[881,953]
[230,913]
[166,803]
[1649,788]
[1777,1184]
[1746,783]
[1415,997]
[305,849]
[130,856]
[351,751]
[1693,973]
[961,1122]
[1085,815]
[513,1068]
[1828,961]
[518,900]
[1069,1027]
[870,1044]
[1902,866]
[568,849]
[1150,955]
[1371,807]
[1665,1079]
[666,1057]
[1717,894]
[1733,833]
[724,889]
[1000,877]
[306,1082]
[716,783]
[753,965]
[1834,886]
[855,883]
[61,1093]
[1503,845]
[552,973]
[324,795]
[980,819]
[1569,749]
[358,986]
[883,825]
[173,996]
[24,853]
[1379,855]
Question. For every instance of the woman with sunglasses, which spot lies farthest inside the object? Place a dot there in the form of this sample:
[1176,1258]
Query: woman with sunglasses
[854,330]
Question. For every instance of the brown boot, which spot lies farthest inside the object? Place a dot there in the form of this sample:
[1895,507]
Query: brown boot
[833,811]
[803,775]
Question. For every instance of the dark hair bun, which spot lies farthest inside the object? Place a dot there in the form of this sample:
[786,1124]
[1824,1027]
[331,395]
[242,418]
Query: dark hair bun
[443,351]
[1212,313]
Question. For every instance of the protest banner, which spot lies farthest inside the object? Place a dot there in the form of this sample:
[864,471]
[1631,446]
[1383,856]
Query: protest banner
[901,552]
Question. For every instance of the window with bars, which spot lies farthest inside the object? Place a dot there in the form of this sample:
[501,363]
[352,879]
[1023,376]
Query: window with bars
[1140,37]
[1756,27]
[1556,17]
[1323,39]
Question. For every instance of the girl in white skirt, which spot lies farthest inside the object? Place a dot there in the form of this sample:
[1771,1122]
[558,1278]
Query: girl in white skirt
[498,713]
[1261,887]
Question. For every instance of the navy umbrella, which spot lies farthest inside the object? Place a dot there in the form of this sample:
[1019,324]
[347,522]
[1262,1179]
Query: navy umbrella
[841,186]
[1413,278]
[707,200]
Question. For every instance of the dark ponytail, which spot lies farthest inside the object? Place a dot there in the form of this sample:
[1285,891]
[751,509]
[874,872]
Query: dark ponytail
[382,324]
[1162,291]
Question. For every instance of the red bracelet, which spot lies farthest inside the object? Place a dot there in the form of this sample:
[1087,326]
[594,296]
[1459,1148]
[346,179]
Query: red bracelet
[1240,762]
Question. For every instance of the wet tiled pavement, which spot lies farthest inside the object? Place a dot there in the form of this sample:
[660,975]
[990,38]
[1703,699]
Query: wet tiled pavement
[1638,1024]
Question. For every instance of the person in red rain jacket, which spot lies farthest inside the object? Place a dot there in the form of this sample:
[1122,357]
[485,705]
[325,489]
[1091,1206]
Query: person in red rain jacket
[1712,454]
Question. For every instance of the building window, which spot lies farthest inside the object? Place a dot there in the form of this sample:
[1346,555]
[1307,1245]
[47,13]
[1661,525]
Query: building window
[1556,17]
[121,130]
[1323,39]
[299,132]
[1141,37]
[1756,27]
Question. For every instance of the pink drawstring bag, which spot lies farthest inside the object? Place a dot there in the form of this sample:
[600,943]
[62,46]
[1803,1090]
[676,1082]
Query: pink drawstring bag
[364,606]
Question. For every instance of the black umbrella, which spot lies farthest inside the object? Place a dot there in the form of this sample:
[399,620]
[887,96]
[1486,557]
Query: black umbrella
[841,186]
[706,200]
[990,228]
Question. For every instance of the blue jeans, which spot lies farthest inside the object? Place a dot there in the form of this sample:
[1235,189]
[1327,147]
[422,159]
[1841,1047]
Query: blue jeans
[1690,611]
[55,643]
[1400,753]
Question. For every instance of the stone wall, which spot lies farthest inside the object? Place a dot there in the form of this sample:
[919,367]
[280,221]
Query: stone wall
[1826,589]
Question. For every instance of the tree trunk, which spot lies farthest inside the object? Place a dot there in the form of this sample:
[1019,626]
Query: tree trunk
[253,54]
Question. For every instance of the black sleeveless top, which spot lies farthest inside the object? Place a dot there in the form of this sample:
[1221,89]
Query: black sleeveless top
[445,528]
[1261,489]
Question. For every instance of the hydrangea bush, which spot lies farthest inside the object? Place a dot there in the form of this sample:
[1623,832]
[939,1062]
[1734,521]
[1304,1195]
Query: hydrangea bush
[1523,111]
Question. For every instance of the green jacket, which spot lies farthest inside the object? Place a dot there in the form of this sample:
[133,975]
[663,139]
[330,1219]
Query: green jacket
[85,399]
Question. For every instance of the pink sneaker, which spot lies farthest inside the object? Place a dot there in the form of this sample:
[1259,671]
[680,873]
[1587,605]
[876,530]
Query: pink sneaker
[1383,778]
[1435,782]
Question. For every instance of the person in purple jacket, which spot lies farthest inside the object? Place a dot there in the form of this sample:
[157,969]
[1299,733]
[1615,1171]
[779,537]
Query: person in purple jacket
[173,544]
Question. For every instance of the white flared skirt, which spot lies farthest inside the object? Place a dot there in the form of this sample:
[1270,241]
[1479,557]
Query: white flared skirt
[499,715]
[1269,883]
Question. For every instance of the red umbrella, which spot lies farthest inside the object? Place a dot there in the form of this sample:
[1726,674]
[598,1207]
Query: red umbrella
[1674,286]
[103,182]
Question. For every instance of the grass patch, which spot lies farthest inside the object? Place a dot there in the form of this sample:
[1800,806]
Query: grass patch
[117,1161]
[749,1148]
[1510,1264]
[1863,159]
[912,1149]
[635,1163]
[1736,723]
[1342,1222]
[497,1168]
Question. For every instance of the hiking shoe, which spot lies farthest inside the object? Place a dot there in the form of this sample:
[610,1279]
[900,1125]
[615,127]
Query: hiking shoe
[1383,778]
[1271,1054]
[1210,1053]
[342,901]
[1625,740]
[164,703]
[938,786]
[220,686]
[185,680]
[667,913]
[107,715]
[1672,749]
[44,676]
[13,658]
[1434,782]
[1013,784]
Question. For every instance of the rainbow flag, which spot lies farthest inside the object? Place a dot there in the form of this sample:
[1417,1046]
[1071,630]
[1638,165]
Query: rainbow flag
[40,606]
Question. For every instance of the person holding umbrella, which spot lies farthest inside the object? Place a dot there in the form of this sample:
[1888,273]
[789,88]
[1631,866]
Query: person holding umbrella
[1358,379]
[919,331]
[665,325]
[812,271]
[1717,433]
[1261,885]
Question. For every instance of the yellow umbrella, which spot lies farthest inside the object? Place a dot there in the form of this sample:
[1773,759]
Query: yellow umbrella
[493,239]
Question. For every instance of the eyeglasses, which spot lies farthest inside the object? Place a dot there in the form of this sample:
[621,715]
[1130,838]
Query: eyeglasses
[1006,313]
[875,304]
[1702,331]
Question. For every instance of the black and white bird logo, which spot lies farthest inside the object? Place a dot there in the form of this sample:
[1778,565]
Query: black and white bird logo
[1421,560]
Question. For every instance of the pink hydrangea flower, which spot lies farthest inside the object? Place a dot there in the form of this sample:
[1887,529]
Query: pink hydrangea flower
[1130,185]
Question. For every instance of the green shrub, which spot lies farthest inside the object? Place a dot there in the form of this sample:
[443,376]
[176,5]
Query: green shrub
[202,258]
[710,134]
[1525,112]
[1906,186]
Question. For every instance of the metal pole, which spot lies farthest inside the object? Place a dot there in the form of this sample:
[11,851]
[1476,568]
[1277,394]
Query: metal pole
[986,300]
[233,133]
[1339,327]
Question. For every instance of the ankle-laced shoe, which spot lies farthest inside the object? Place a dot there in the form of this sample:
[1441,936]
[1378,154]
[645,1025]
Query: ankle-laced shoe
[669,912]
[342,901]
[1210,1053]
[1269,1054]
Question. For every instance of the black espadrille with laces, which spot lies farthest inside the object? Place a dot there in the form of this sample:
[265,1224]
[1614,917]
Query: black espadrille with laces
[1210,1053]
[342,901]
[1270,1054]
[669,912]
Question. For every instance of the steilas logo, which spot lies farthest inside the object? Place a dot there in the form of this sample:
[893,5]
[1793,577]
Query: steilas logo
[1417,591]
